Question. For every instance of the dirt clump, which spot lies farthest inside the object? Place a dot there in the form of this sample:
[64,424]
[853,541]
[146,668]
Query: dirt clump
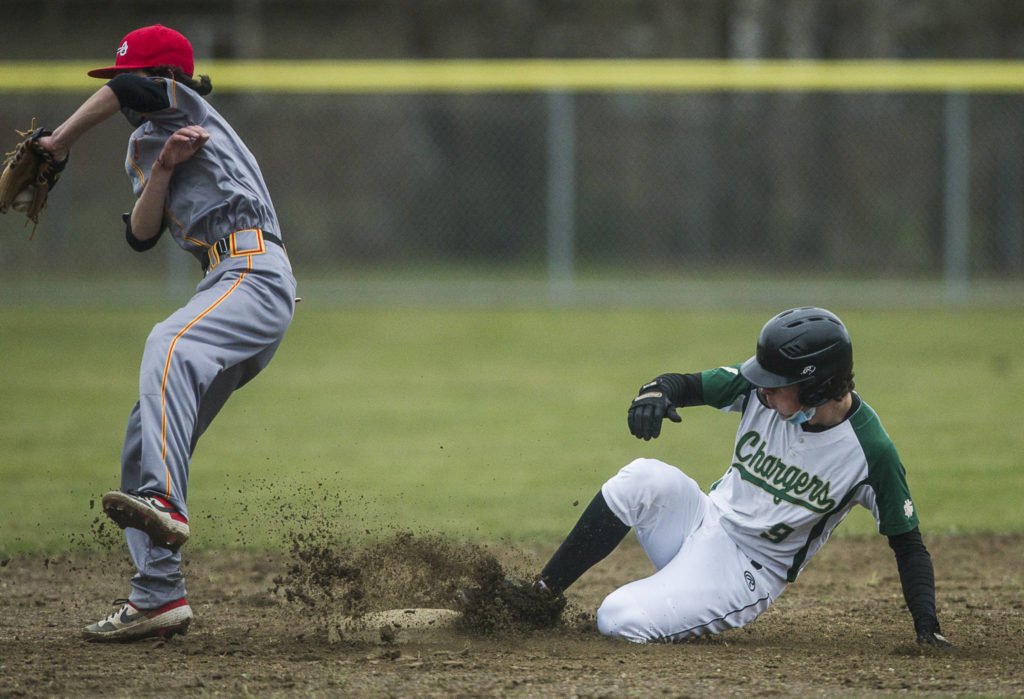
[336,581]
[496,602]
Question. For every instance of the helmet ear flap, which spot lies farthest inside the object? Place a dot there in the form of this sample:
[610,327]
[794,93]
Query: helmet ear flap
[834,387]
[813,395]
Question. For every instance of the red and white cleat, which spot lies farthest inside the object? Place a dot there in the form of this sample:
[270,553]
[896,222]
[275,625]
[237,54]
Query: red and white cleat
[150,513]
[129,623]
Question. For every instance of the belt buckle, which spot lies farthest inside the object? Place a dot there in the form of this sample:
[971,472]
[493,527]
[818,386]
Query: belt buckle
[228,247]
[217,253]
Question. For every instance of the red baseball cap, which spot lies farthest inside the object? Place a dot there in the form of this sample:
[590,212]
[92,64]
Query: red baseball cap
[149,47]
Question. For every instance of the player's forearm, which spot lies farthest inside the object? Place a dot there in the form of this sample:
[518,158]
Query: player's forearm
[917,577]
[148,214]
[100,106]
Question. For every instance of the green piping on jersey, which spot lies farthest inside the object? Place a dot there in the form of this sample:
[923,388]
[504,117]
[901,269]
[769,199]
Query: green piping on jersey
[886,477]
[816,531]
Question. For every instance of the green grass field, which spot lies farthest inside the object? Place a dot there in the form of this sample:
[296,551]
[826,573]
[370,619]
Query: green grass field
[482,424]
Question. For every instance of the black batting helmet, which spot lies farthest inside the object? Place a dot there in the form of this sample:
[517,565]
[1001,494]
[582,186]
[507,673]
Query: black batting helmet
[807,346]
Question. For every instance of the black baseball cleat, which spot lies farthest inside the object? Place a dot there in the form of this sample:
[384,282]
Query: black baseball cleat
[129,623]
[150,513]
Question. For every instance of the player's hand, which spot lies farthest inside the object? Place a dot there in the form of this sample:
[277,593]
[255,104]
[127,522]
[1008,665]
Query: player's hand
[60,152]
[648,410]
[182,145]
[933,638]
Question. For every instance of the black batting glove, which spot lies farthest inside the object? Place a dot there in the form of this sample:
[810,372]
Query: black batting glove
[648,410]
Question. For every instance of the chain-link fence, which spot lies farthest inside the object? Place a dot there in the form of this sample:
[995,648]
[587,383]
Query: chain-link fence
[565,188]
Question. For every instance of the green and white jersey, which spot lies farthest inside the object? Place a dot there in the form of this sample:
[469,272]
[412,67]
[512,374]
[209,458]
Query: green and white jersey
[788,488]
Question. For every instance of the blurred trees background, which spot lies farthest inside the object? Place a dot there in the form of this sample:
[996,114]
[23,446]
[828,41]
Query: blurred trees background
[828,29]
[812,183]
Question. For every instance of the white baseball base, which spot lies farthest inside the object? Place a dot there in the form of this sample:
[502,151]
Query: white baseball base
[394,625]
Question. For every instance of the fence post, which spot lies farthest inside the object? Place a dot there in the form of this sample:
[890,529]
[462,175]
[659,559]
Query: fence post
[957,197]
[561,196]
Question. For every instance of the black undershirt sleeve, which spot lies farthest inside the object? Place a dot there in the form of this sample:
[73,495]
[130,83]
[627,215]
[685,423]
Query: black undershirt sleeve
[917,576]
[142,95]
[684,390]
[133,242]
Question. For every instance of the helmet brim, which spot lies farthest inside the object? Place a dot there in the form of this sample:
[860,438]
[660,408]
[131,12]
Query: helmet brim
[756,374]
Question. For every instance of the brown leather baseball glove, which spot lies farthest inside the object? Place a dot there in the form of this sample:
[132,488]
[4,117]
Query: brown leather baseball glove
[29,173]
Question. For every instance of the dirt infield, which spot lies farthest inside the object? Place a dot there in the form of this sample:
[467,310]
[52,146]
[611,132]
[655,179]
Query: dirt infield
[265,624]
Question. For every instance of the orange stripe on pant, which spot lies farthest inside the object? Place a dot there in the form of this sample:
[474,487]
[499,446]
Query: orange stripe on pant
[167,370]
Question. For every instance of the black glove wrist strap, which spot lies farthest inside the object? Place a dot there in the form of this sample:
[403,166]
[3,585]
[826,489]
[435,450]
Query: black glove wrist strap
[683,390]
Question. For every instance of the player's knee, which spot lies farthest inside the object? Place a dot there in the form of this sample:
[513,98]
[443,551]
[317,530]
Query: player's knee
[620,616]
[650,471]
[643,476]
[641,485]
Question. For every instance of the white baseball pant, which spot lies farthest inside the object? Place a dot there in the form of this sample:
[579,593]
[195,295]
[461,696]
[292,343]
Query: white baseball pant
[704,583]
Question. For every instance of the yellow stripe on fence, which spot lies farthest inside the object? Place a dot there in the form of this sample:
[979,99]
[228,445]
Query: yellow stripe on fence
[529,75]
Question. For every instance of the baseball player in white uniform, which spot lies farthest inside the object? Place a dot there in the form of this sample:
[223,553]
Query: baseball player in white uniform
[194,178]
[807,450]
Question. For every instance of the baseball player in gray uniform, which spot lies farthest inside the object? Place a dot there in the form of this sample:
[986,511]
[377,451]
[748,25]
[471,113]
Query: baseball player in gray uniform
[807,450]
[194,178]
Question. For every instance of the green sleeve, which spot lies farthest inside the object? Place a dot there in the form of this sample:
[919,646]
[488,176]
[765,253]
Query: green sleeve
[886,475]
[724,386]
